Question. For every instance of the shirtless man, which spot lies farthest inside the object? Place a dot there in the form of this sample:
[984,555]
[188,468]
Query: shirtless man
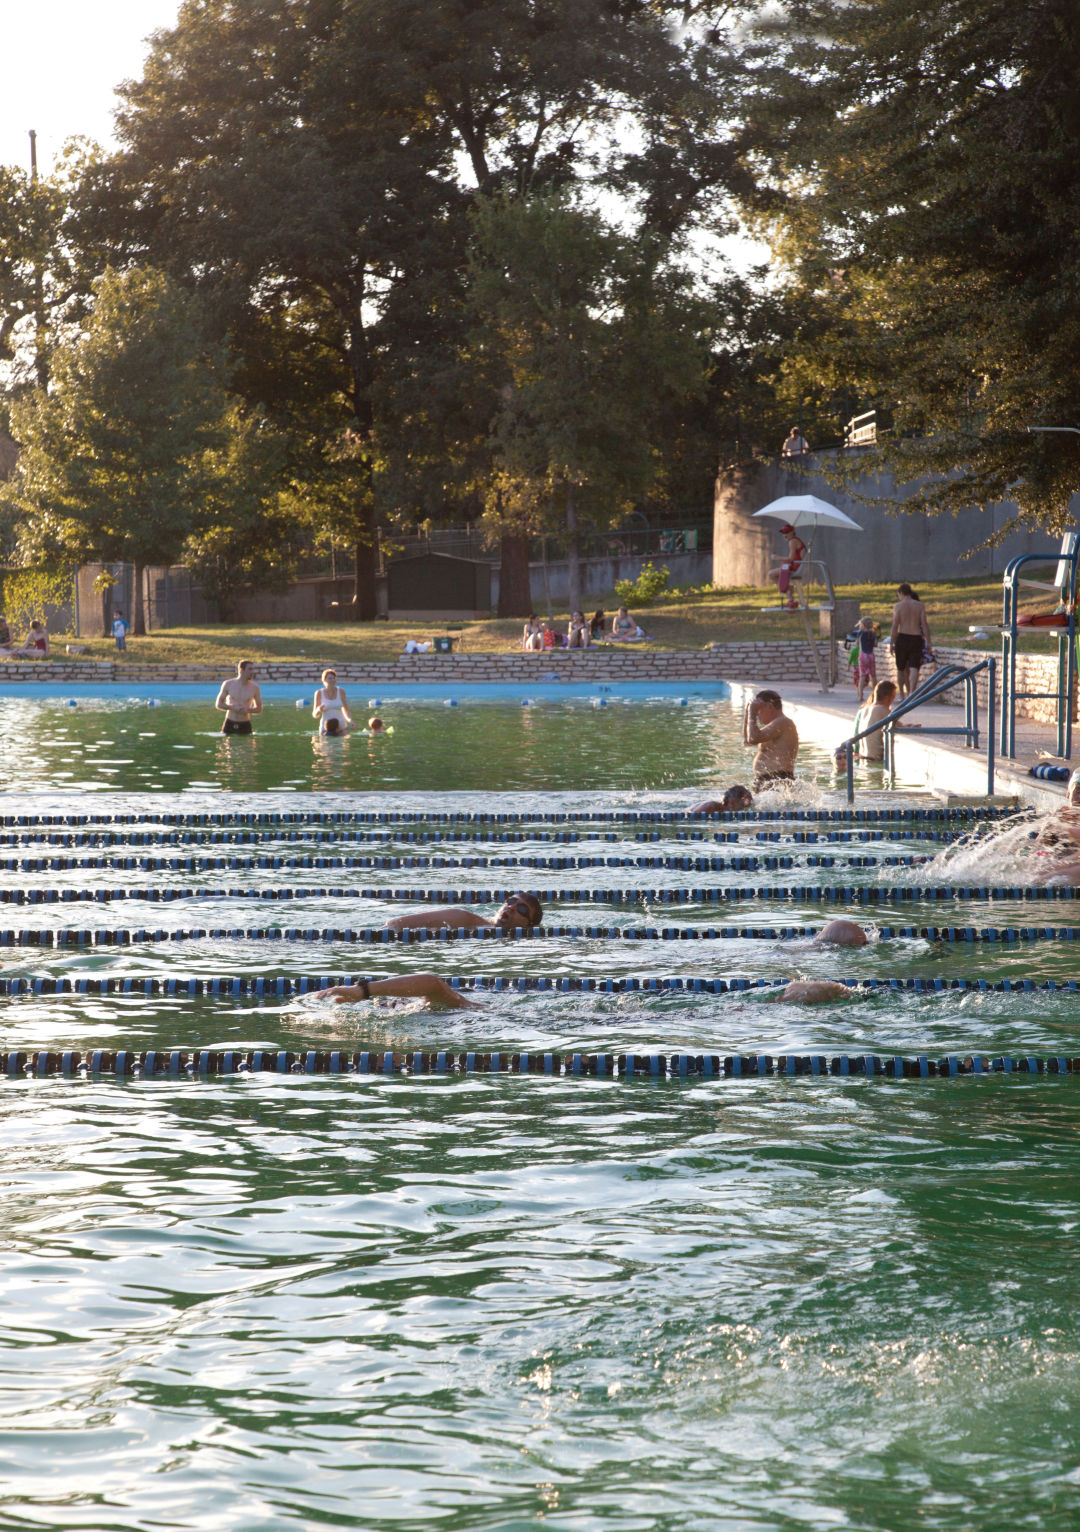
[238,698]
[518,910]
[909,636]
[766,725]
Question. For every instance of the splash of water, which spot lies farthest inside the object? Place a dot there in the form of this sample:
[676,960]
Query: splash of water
[1006,854]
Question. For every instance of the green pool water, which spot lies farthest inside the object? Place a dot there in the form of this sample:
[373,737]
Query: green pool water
[119,745]
[487,1304]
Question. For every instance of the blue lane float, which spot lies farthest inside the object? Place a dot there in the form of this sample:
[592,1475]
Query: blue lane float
[383,936]
[252,837]
[898,815]
[179,1063]
[256,987]
[686,863]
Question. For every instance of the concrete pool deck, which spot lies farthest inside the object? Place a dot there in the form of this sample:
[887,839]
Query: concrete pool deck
[942,763]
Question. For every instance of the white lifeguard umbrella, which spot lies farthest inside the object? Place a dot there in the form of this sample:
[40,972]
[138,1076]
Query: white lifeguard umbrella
[800,511]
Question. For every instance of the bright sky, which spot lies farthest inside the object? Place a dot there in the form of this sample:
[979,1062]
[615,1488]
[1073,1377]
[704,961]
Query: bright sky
[62,62]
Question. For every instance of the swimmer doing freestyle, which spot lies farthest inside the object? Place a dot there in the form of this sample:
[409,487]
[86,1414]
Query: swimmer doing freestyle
[437,992]
[519,911]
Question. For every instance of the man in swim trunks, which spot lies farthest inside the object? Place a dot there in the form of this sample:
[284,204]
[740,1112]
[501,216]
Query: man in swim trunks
[518,911]
[238,698]
[766,725]
[909,636]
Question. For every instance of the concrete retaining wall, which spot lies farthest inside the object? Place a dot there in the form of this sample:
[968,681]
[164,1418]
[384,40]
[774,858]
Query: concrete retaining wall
[894,544]
[771,663]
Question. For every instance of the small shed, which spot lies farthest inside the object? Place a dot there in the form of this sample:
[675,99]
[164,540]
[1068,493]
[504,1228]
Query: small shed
[437,585]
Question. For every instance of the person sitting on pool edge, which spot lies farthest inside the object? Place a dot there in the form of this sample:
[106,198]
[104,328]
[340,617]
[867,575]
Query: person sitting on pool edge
[735,800]
[766,725]
[518,911]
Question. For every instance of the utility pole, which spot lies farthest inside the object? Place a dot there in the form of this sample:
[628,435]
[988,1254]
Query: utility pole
[40,361]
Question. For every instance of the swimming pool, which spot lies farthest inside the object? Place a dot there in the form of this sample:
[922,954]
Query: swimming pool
[633,742]
[502,1302]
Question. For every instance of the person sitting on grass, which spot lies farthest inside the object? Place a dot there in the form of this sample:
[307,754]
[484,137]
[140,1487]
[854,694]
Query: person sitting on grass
[624,630]
[532,637]
[578,635]
[735,800]
[519,911]
[35,646]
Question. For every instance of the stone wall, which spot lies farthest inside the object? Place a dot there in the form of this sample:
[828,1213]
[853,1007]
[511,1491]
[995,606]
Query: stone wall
[767,663]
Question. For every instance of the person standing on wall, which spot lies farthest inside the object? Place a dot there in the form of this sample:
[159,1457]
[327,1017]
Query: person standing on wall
[909,637]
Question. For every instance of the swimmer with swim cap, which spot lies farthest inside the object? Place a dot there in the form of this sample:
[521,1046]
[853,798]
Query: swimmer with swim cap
[842,933]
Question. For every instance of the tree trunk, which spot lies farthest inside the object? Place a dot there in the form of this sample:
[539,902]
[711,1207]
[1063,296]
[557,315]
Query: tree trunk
[364,571]
[138,611]
[515,593]
[573,561]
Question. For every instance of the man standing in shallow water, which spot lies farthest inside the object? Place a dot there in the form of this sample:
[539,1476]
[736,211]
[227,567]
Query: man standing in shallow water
[238,698]
[766,725]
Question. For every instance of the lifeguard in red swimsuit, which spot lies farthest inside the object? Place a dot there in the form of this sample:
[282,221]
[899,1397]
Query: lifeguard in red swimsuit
[784,573]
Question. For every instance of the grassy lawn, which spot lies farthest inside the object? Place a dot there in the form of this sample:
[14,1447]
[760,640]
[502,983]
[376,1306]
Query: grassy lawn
[683,621]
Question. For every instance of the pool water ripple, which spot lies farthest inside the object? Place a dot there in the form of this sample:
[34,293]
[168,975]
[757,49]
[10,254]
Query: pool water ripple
[483,1303]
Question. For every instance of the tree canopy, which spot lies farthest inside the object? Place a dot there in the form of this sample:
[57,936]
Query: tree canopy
[926,192]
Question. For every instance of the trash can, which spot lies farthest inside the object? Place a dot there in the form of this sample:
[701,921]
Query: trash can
[443,645]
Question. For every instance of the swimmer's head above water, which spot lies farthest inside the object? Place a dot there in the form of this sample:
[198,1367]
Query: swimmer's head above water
[524,910]
[842,933]
[1072,791]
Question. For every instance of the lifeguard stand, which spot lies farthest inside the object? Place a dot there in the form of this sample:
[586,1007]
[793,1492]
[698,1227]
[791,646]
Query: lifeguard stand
[1063,587]
[811,590]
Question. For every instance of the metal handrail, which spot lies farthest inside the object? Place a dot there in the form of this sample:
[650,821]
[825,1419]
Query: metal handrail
[1064,583]
[943,680]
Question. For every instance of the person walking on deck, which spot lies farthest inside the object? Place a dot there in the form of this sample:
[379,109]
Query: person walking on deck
[909,638]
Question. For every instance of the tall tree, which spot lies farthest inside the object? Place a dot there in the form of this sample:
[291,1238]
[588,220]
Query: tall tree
[309,164]
[113,457]
[928,162]
[591,336]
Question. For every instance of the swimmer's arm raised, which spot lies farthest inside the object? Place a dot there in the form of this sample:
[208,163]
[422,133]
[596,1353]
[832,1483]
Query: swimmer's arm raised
[412,986]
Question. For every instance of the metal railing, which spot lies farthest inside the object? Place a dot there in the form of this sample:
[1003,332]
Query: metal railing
[943,680]
[1064,586]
